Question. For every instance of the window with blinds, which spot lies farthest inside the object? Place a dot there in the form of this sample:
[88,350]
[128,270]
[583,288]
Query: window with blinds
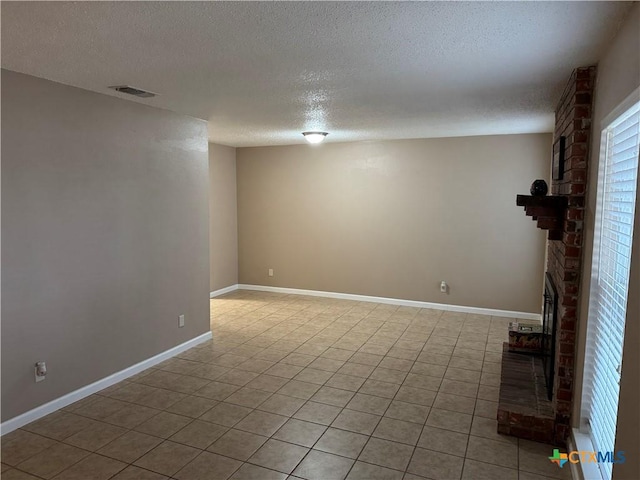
[616,200]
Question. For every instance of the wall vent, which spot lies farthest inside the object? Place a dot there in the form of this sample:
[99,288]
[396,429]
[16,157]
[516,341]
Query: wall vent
[133,91]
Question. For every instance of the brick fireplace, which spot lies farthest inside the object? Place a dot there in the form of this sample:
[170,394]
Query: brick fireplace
[532,415]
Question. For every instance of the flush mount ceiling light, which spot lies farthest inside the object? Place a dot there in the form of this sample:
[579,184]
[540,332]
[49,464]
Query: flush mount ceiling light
[314,137]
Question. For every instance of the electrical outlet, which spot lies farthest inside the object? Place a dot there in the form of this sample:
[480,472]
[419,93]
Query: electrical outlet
[181,321]
[271,272]
[40,371]
[444,287]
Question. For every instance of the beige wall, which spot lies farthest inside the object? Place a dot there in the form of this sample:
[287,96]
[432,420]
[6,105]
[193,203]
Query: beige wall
[394,218]
[223,232]
[618,76]
[104,236]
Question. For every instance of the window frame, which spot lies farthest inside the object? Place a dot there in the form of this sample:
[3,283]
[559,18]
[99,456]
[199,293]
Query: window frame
[582,435]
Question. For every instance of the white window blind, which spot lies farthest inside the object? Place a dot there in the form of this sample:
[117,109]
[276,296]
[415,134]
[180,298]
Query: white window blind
[610,279]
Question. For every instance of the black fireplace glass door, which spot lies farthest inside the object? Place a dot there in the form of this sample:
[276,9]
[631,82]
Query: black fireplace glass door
[549,317]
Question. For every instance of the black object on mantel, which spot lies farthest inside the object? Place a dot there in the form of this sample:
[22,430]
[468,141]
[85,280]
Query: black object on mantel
[548,211]
[539,188]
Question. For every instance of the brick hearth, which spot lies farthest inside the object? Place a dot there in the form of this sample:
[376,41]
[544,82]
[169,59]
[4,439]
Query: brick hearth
[524,410]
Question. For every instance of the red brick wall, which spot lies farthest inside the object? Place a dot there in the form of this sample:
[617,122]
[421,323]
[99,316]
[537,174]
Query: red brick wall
[573,121]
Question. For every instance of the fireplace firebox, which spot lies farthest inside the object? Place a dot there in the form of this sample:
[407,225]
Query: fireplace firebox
[549,320]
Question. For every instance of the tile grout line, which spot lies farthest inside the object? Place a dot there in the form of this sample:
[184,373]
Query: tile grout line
[415,360]
[308,337]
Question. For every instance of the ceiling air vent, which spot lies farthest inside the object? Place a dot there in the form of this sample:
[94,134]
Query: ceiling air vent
[133,91]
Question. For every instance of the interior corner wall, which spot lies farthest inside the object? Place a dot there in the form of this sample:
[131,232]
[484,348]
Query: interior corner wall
[105,236]
[394,218]
[223,232]
[618,76]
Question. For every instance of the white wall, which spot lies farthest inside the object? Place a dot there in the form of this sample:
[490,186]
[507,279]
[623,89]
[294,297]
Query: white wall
[394,218]
[224,217]
[105,236]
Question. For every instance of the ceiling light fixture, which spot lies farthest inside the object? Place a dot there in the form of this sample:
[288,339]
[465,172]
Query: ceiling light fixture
[314,137]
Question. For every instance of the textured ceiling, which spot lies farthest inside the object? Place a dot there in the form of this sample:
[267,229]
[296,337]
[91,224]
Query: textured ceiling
[262,72]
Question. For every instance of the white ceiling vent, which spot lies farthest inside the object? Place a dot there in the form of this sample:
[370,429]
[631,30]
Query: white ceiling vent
[133,91]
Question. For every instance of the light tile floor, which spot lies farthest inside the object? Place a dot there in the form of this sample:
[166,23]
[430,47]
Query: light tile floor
[297,387]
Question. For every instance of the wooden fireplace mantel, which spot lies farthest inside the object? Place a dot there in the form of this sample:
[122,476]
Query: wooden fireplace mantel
[547,211]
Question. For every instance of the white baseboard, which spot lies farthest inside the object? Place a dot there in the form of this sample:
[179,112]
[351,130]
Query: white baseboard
[50,407]
[395,301]
[222,291]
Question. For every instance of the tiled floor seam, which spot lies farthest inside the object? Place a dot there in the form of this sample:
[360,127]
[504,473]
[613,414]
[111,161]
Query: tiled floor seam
[372,336]
[423,425]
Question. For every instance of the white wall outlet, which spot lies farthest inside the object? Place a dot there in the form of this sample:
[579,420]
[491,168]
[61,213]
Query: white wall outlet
[271,272]
[443,286]
[40,371]
[181,321]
